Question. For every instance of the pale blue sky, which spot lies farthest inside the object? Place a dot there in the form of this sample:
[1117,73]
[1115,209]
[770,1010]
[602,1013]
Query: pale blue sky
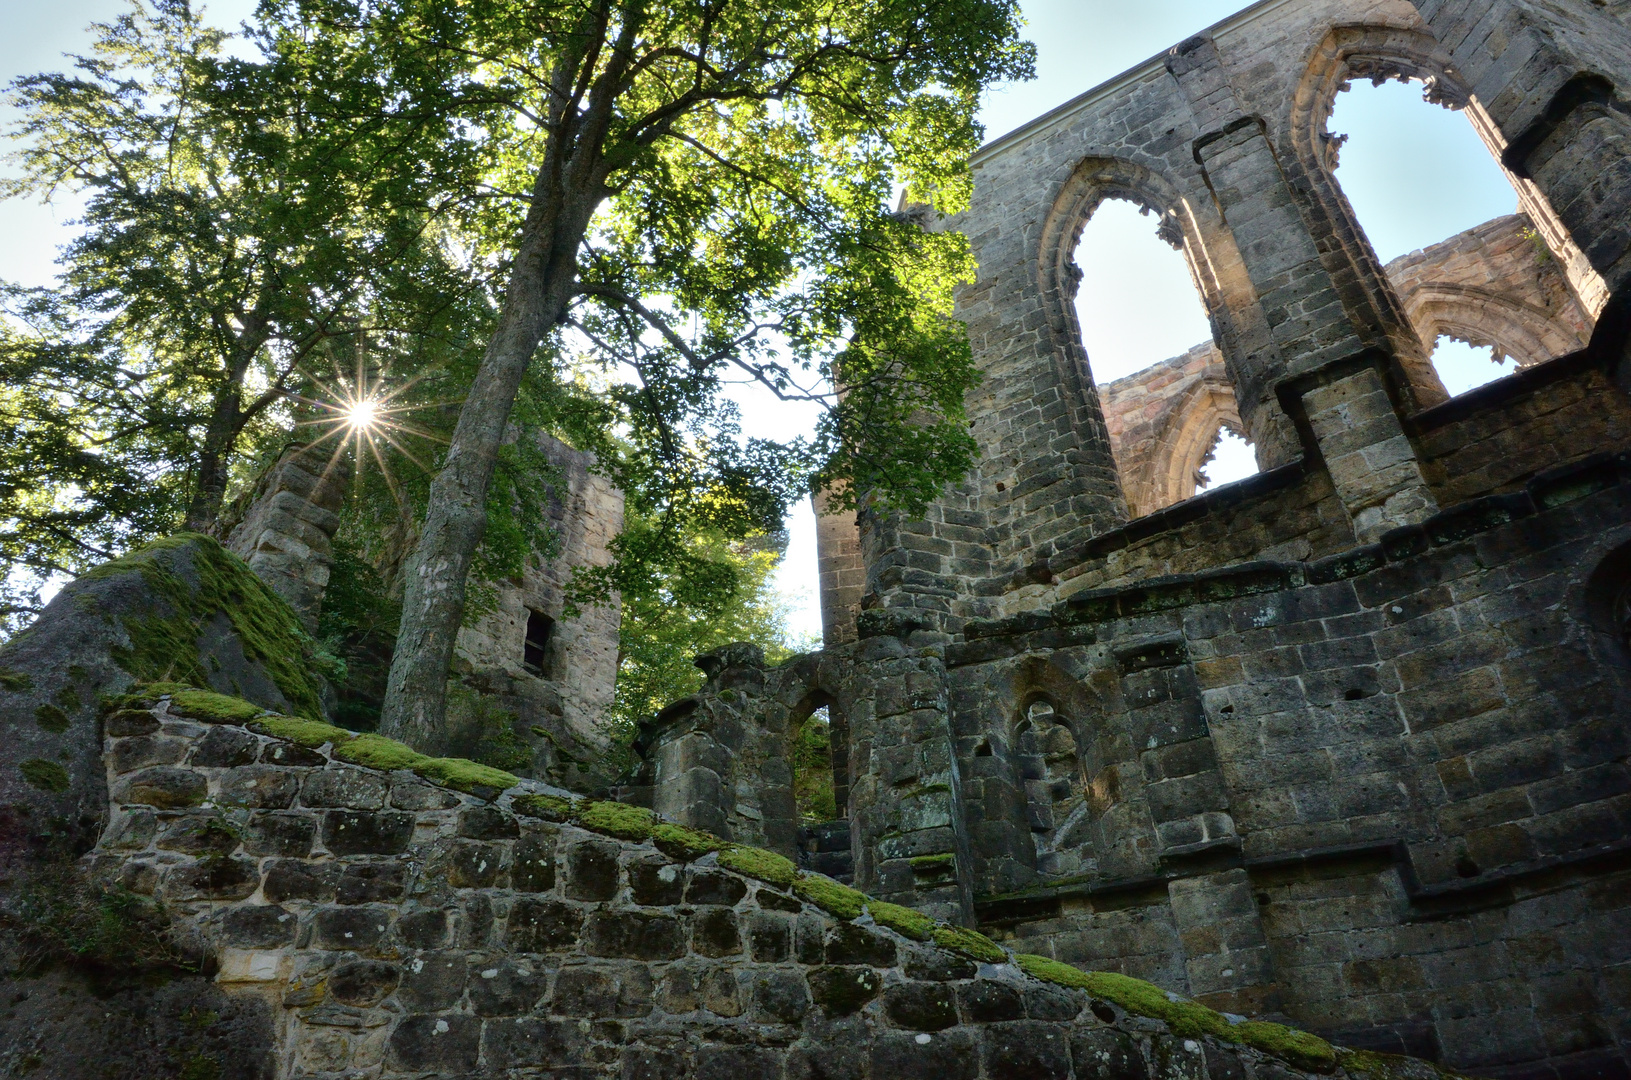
[1415,174]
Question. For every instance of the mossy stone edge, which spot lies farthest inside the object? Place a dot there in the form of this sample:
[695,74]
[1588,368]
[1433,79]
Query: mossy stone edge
[635,823]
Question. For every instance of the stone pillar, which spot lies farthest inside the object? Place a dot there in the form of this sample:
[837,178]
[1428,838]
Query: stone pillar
[287,533]
[720,760]
[843,571]
[906,813]
[1315,333]
[1371,461]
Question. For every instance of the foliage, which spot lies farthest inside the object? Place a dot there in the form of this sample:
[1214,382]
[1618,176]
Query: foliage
[236,255]
[677,193]
[483,731]
[811,759]
[715,593]
[62,916]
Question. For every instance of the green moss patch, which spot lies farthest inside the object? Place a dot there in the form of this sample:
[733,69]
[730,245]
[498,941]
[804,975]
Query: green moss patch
[757,863]
[45,775]
[547,807]
[213,708]
[970,943]
[1186,1018]
[830,896]
[15,681]
[905,921]
[307,733]
[924,863]
[1297,1047]
[618,819]
[51,719]
[164,644]
[378,752]
[1391,1066]
[470,777]
[682,843]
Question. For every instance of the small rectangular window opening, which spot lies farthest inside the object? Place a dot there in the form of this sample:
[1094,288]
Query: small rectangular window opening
[539,627]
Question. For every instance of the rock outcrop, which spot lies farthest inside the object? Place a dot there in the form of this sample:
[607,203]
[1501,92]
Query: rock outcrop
[182,608]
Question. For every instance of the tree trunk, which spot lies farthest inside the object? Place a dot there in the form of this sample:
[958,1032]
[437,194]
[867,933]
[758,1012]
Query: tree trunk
[214,459]
[539,290]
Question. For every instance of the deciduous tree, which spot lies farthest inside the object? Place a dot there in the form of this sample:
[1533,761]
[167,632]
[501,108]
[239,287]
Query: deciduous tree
[678,189]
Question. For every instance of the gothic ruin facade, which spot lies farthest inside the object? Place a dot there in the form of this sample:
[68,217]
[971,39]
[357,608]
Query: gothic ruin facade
[1345,741]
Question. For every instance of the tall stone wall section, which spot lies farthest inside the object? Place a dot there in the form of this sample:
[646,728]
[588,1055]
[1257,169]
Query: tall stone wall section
[391,928]
[560,704]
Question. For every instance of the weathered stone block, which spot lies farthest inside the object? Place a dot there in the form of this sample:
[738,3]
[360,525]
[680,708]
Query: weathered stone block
[259,787]
[350,832]
[433,980]
[920,1006]
[273,833]
[537,926]
[348,789]
[531,1043]
[446,1043]
[591,870]
[354,929]
[362,983]
[609,990]
[635,935]
[533,866]
[507,987]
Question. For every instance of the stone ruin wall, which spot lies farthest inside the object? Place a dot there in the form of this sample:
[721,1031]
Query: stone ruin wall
[570,693]
[1494,285]
[286,536]
[363,923]
[1346,739]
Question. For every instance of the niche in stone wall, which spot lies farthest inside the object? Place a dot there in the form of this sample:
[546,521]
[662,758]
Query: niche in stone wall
[1608,605]
[1049,764]
[535,646]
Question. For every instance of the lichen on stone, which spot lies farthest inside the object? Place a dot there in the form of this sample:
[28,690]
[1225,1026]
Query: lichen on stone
[682,843]
[831,897]
[213,708]
[758,863]
[970,943]
[308,733]
[905,921]
[617,819]
[547,807]
[45,775]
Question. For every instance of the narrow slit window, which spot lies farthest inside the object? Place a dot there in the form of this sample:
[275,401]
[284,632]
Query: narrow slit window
[534,650]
